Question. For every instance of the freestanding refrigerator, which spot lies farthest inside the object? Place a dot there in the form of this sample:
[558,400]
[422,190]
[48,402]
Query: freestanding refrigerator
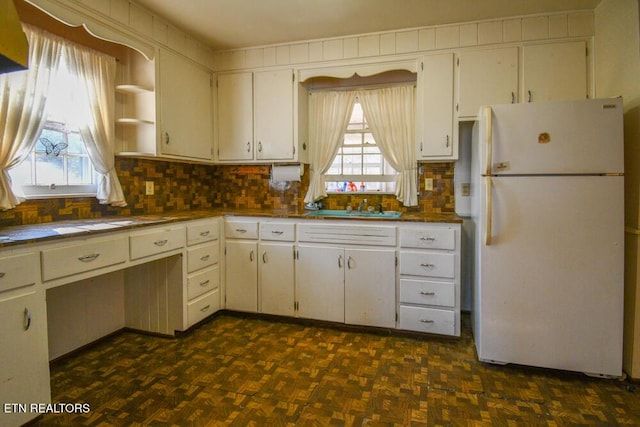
[548,207]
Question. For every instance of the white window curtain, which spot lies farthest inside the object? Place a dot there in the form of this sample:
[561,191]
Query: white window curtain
[329,113]
[23,96]
[98,72]
[390,113]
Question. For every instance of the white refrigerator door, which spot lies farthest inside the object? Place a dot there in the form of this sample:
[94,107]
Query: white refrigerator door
[549,287]
[569,137]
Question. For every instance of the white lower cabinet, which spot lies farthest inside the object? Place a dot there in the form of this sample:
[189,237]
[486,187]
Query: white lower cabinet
[320,282]
[429,294]
[203,270]
[24,361]
[276,278]
[241,265]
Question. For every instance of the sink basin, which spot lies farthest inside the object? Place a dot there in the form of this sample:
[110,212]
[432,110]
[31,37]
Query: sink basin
[341,213]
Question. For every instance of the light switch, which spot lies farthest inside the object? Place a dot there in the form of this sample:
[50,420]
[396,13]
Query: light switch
[428,184]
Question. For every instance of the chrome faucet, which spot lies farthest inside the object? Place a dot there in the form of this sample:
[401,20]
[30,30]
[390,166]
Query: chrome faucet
[362,205]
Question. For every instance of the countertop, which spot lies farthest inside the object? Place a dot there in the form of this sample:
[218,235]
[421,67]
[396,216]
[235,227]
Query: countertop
[15,235]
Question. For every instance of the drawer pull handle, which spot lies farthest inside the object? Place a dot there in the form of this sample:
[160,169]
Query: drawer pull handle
[350,263]
[205,308]
[88,258]
[160,242]
[430,294]
[204,257]
[27,319]
[426,321]
[427,265]
[278,232]
[205,283]
[339,261]
[251,255]
[428,239]
[264,257]
[241,230]
[2,275]
[205,233]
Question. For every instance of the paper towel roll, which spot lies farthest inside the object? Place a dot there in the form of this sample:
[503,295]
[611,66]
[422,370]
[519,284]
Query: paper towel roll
[286,173]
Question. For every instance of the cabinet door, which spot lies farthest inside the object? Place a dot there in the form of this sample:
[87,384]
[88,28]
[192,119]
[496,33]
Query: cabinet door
[273,109]
[486,77]
[276,278]
[235,116]
[370,287]
[24,359]
[555,71]
[320,282]
[186,108]
[242,276]
[434,116]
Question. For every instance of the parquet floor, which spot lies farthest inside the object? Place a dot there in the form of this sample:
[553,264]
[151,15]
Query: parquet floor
[255,372]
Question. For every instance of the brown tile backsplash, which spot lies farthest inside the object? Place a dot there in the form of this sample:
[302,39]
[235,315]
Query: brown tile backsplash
[184,186]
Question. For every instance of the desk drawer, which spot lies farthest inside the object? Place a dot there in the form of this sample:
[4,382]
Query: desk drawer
[279,231]
[155,242]
[428,238]
[18,271]
[85,256]
[427,292]
[203,232]
[430,264]
[203,282]
[203,306]
[202,256]
[240,229]
[431,320]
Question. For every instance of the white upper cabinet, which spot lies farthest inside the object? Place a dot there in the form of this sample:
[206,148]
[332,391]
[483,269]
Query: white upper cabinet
[258,117]
[186,108]
[434,113]
[273,109]
[235,116]
[554,71]
[485,77]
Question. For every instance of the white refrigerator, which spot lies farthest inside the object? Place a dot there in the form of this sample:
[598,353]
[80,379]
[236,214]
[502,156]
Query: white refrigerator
[548,205]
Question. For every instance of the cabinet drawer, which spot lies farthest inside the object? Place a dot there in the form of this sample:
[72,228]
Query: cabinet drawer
[427,292]
[428,238]
[18,271]
[277,231]
[155,242]
[240,229]
[430,264]
[203,306]
[202,256]
[203,282]
[203,232]
[81,257]
[430,320]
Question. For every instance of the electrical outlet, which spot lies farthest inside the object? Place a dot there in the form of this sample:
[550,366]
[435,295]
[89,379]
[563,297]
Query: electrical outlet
[428,184]
[149,190]
[466,189]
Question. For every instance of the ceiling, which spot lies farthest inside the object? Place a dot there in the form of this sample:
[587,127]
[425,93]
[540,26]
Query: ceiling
[230,24]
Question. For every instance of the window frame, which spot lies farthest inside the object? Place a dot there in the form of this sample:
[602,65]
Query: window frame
[363,130]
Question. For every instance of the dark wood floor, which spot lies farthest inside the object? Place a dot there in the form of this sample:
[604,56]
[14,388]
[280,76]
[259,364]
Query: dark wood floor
[255,372]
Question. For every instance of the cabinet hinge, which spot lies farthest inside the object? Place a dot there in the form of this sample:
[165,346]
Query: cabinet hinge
[422,65]
[458,62]
[586,51]
[293,77]
[396,261]
[396,313]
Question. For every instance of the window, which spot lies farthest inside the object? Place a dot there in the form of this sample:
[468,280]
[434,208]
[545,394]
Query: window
[359,164]
[59,163]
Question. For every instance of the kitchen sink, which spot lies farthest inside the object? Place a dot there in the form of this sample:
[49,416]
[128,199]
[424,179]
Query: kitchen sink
[343,213]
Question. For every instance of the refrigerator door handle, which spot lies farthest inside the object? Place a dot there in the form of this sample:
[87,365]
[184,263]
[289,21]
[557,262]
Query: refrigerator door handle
[488,211]
[488,137]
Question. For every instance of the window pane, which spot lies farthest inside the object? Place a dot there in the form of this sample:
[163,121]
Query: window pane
[49,139]
[49,170]
[352,165]
[353,139]
[76,144]
[21,174]
[80,171]
[368,138]
[336,166]
[352,150]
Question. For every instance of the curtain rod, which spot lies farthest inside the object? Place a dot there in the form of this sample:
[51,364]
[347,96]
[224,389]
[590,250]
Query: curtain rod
[361,87]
